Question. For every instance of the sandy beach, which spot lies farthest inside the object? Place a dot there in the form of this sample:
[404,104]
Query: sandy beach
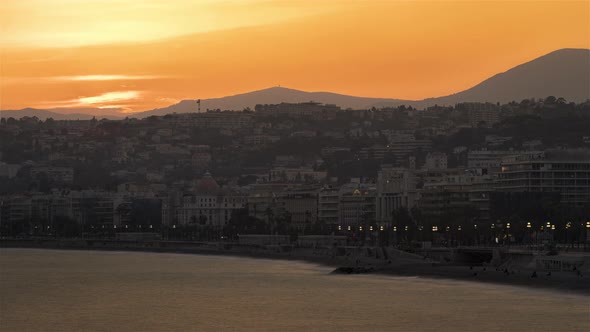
[564,281]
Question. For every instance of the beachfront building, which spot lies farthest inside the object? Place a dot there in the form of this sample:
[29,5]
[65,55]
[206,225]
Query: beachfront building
[301,204]
[209,204]
[356,205]
[566,172]
[328,206]
[396,188]
[456,198]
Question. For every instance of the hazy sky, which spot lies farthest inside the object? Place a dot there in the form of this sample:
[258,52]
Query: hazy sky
[138,55]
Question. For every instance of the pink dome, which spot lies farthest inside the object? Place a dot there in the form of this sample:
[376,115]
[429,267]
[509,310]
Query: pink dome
[207,184]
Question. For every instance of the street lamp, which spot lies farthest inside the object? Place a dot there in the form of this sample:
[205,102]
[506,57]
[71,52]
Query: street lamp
[568,225]
[1,205]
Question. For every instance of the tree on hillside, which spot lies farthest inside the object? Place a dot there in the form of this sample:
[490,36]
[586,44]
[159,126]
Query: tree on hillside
[550,100]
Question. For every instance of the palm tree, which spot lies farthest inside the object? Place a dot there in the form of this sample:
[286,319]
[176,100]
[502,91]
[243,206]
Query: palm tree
[550,100]
[269,218]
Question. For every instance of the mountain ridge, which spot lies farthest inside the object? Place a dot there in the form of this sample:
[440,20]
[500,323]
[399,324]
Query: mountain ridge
[566,63]
[562,73]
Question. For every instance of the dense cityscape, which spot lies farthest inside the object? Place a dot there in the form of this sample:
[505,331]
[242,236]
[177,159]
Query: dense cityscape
[294,165]
[468,174]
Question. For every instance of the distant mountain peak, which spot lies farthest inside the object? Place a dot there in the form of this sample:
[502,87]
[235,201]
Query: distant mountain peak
[566,51]
[561,73]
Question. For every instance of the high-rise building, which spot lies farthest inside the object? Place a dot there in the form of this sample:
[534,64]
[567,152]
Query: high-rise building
[328,206]
[563,171]
[396,188]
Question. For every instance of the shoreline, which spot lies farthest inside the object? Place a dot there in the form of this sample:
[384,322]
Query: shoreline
[565,282]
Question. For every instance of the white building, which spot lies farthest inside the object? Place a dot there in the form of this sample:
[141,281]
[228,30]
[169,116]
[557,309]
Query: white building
[396,188]
[328,206]
[436,160]
[356,205]
[566,172]
[209,204]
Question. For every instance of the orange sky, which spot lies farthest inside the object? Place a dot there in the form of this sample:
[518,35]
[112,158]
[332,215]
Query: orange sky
[138,55]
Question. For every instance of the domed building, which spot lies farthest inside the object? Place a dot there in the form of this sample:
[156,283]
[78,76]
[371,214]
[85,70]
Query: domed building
[209,204]
[207,185]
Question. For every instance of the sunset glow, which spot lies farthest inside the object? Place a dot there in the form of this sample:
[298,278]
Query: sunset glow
[109,97]
[148,54]
[107,77]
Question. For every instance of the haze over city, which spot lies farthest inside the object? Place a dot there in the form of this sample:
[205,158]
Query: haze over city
[294,165]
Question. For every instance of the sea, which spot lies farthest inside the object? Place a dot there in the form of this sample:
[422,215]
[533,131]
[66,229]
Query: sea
[66,290]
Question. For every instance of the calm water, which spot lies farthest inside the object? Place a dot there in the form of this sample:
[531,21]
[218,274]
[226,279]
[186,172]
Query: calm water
[44,290]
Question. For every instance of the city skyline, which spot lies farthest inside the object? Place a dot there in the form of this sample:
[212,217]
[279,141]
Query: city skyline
[248,165]
[119,55]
